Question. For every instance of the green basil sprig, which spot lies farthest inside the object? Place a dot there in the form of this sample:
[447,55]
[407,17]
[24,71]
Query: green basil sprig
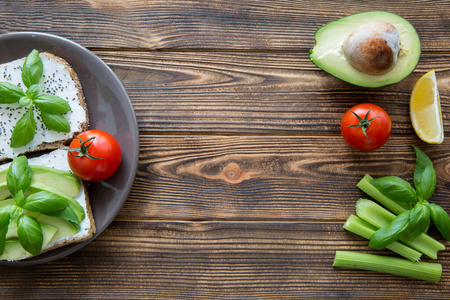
[29,231]
[415,221]
[51,107]
[30,235]
[4,222]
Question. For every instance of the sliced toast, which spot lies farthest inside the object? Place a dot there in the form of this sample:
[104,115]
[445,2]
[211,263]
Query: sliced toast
[58,79]
[57,159]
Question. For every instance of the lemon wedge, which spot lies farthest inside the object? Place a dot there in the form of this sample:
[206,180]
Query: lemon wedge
[425,109]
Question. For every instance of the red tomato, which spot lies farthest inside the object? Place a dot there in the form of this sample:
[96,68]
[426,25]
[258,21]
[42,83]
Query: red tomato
[370,130]
[94,155]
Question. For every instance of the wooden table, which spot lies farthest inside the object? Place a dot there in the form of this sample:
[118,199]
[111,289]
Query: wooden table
[244,180]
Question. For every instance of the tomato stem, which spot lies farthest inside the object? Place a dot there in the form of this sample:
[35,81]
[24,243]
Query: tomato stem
[363,123]
[83,150]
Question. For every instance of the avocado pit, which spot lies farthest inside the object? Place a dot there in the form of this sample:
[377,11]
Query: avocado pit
[373,47]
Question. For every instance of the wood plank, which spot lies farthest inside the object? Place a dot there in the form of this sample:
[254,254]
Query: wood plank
[215,260]
[256,93]
[249,24]
[267,177]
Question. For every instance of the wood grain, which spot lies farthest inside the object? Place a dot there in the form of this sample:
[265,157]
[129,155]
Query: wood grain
[243,181]
[266,177]
[255,93]
[223,25]
[214,260]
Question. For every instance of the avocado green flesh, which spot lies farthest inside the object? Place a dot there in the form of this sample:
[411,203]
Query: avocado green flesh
[4,191]
[65,228]
[53,228]
[14,251]
[327,53]
[77,208]
[37,186]
[62,180]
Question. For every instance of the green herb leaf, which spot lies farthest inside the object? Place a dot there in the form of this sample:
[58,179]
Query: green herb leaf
[6,208]
[419,220]
[32,69]
[25,101]
[390,233]
[15,212]
[10,93]
[395,188]
[424,175]
[45,202]
[19,175]
[30,235]
[24,130]
[51,104]
[441,219]
[67,213]
[19,198]
[33,91]
[4,222]
[55,122]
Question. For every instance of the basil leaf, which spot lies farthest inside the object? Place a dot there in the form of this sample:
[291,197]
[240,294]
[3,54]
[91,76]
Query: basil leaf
[419,220]
[55,122]
[30,235]
[10,93]
[45,202]
[395,188]
[67,213]
[441,219]
[19,198]
[51,104]
[19,175]
[390,233]
[23,132]
[25,101]
[6,208]
[15,212]
[33,91]
[424,175]
[4,222]
[32,69]
[426,184]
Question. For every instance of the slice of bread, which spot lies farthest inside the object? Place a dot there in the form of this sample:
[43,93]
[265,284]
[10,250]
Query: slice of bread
[58,159]
[58,79]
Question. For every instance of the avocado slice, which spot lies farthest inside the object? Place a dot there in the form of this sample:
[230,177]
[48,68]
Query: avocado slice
[73,204]
[65,228]
[328,55]
[48,232]
[13,249]
[64,181]
[4,191]
[37,186]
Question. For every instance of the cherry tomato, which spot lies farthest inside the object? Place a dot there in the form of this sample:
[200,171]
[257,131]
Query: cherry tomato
[94,155]
[366,126]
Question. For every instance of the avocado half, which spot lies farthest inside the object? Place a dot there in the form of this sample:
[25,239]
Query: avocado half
[328,55]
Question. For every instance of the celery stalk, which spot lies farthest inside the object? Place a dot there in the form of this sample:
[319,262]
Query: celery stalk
[394,206]
[362,228]
[380,217]
[391,265]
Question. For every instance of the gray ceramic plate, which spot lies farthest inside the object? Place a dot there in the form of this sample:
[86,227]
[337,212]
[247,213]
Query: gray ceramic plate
[109,109]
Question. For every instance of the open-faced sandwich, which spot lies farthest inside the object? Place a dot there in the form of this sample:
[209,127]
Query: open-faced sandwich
[43,205]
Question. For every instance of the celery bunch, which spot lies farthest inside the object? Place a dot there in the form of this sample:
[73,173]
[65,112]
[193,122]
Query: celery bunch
[403,228]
